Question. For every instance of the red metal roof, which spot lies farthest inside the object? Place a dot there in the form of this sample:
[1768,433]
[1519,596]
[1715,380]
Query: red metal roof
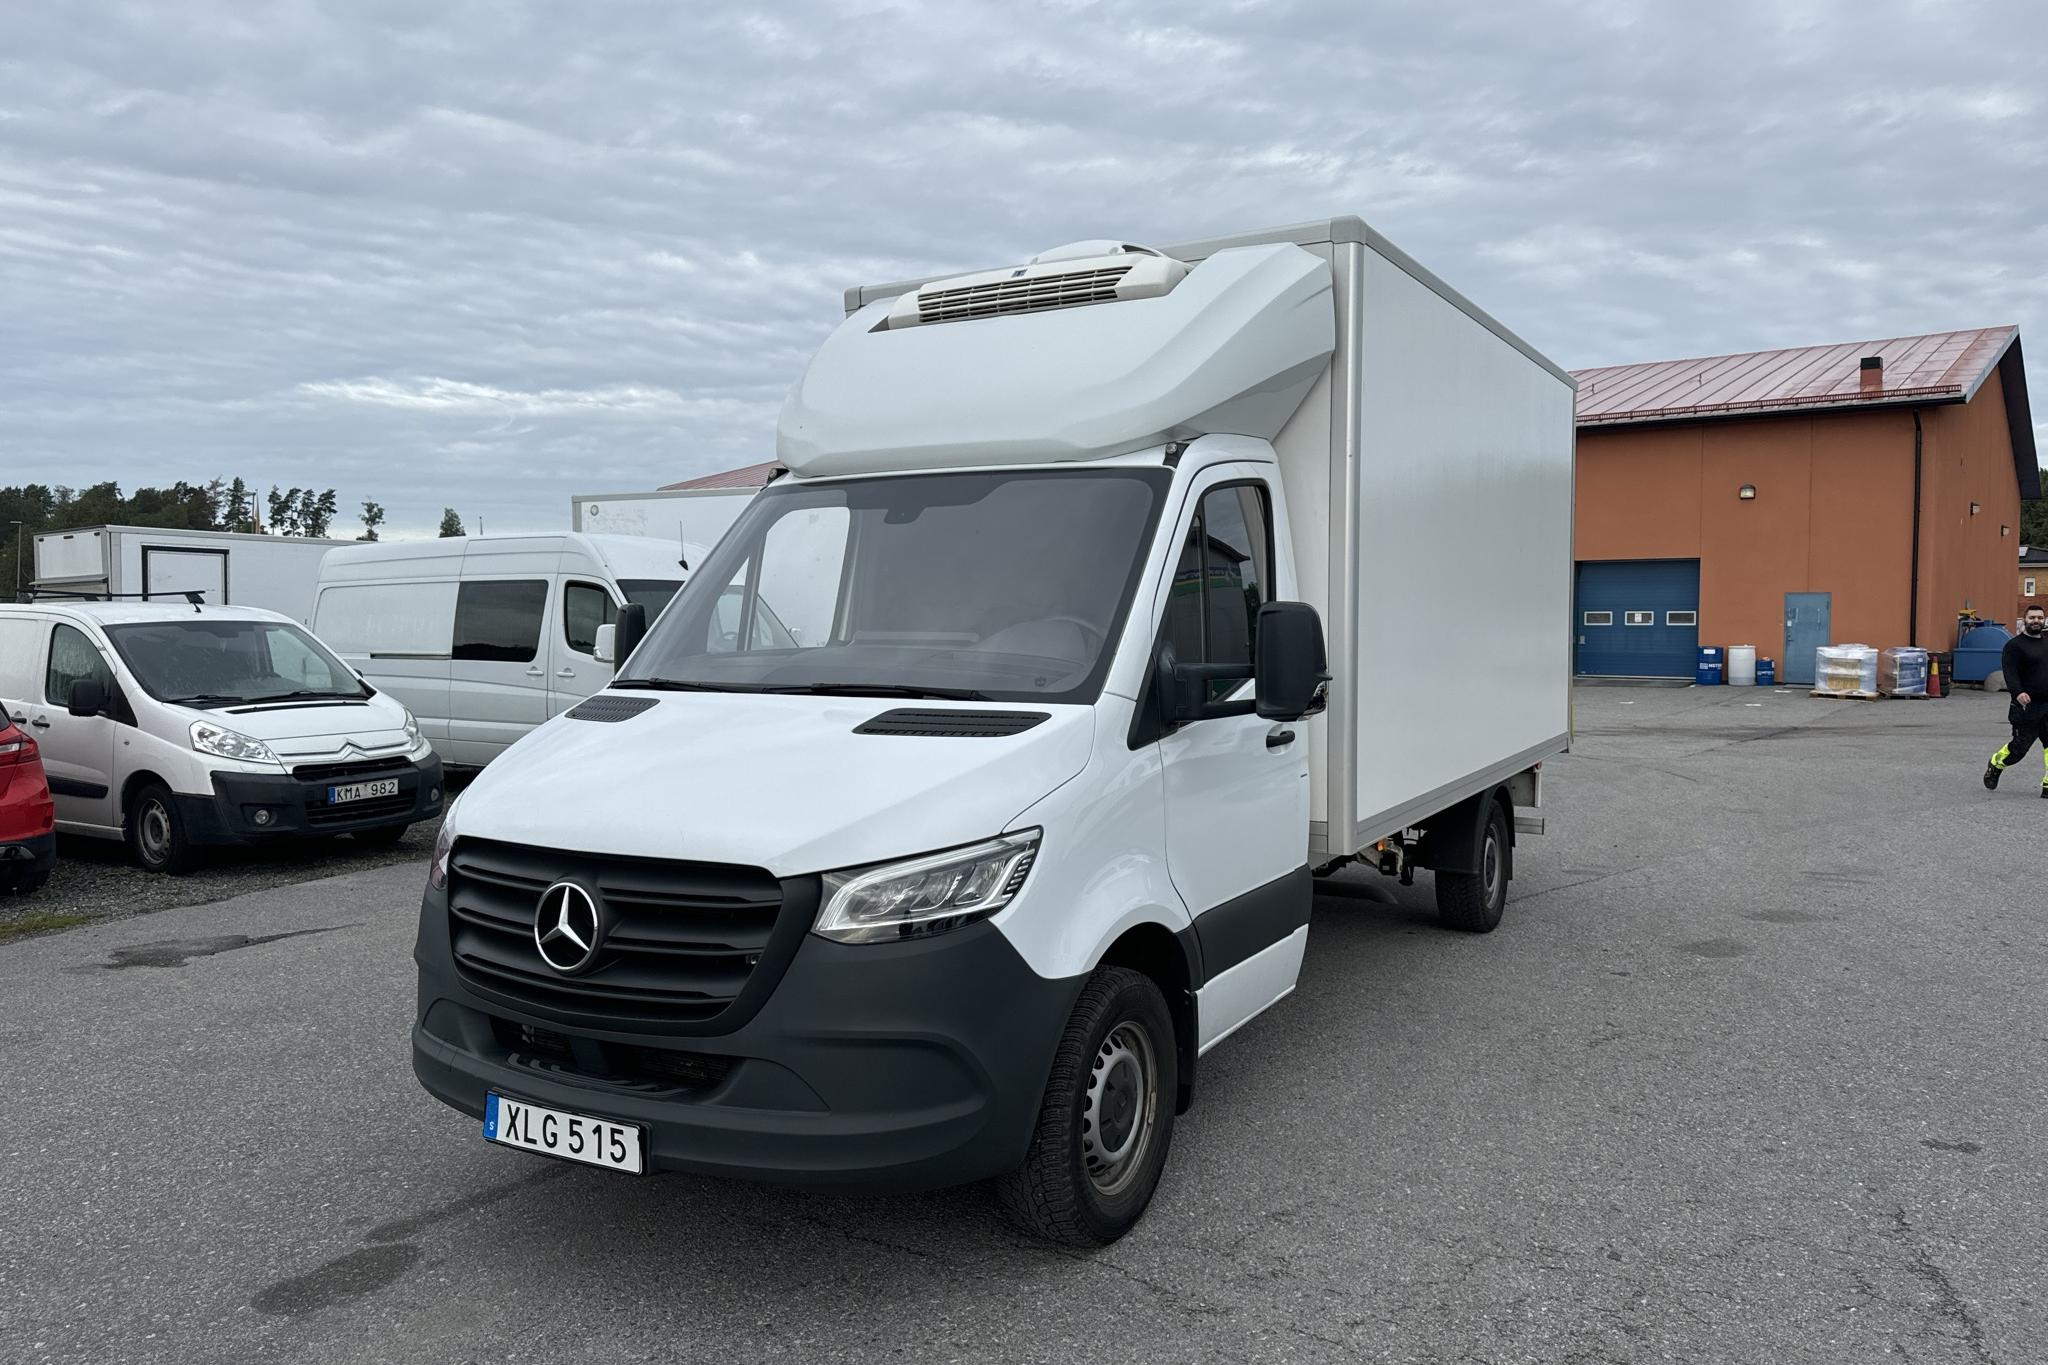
[753,476]
[1940,366]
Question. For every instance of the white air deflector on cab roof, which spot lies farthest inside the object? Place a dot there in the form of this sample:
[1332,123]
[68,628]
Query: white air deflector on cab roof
[1070,276]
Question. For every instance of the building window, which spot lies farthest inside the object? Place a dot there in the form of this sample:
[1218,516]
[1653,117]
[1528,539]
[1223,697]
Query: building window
[2030,587]
[1681,618]
[1639,618]
[1599,618]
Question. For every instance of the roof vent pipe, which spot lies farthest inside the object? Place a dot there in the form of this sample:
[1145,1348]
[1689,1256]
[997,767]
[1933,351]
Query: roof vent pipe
[1870,378]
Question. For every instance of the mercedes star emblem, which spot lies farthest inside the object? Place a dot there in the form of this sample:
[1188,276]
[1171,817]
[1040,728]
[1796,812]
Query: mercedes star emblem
[565,928]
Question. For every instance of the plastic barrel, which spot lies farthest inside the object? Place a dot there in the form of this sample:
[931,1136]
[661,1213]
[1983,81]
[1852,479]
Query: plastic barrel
[1766,673]
[1742,665]
[1707,672]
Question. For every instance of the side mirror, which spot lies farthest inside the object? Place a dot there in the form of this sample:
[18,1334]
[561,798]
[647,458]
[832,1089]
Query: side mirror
[631,628]
[602,649]
[88,697]
[1292,665]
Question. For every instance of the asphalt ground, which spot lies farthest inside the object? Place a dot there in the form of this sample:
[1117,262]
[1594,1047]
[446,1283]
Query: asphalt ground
[1752,1072]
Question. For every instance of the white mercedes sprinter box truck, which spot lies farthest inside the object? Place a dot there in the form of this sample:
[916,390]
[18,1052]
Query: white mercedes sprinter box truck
[1117,593]
[145,563]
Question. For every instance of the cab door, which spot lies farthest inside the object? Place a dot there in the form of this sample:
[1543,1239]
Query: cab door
[573,670]
[1237,788]
[78,751]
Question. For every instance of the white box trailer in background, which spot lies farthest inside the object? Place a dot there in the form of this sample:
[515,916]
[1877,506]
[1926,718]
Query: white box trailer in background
[694,516]
[276,573]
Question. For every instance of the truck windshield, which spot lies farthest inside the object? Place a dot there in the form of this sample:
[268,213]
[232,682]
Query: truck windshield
[1002,586]
[651,593]
[211,662]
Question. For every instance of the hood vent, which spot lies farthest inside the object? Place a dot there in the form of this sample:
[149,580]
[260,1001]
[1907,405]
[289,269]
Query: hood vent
[952,724]
[1071,276]
[609,709]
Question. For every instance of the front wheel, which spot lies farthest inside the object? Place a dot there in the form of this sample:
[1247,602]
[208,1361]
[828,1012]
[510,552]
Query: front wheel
[156,833]
[1106,1120]
[1473,901]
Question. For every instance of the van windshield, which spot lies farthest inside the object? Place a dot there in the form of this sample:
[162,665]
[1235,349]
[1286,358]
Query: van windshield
[651,593]
[211,662]
[1003,586]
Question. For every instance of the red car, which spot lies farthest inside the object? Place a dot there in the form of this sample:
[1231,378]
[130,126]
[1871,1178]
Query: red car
[28,839]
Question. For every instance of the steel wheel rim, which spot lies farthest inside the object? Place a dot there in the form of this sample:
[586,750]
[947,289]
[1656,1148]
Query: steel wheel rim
[154,824]
[1121,1111]
[1490,867]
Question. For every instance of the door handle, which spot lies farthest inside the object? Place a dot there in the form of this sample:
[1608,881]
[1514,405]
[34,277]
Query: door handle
[1279,738]
[536,672]
[41,722]
[21,719]
[565,672]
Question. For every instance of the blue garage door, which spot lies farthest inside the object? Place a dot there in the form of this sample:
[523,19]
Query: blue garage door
[1638,618]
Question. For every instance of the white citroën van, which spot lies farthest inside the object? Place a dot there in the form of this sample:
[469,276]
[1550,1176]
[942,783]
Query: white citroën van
[960,873]
[485,637]
[175,726]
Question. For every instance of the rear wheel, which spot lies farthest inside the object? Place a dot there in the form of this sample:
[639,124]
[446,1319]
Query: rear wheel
[1107,1118]
[1473,901]
[156,832]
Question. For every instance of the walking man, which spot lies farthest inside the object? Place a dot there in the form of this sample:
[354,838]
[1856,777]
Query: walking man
[2025,662]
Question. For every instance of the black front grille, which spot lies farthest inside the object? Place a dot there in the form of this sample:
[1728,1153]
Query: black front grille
[322,772]
[618,1066]
[680,940]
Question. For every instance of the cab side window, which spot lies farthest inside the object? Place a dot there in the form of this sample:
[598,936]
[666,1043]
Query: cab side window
[1224,576]
[585,607]
[73,658]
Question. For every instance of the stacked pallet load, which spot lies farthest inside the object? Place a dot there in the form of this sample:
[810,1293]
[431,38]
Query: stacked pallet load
[1902,673]
[1847,671]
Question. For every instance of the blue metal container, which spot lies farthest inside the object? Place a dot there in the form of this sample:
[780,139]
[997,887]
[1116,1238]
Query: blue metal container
[1978,649]
[1708,668]
[1766,673]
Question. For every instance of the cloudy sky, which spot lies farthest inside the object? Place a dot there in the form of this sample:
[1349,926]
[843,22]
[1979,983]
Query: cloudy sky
[489,254]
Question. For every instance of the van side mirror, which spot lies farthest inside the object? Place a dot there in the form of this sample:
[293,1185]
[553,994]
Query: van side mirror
[88,697]
[630,630]
[601,649]
[1292,664]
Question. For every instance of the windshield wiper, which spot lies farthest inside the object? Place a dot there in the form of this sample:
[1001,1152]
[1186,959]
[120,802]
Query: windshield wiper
[675,685]
[206,699]
[858,689]
[304,694]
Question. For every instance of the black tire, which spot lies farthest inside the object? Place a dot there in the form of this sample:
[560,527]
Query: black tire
[1115,1075]
[1473,901]
[20,881]
[157,838]
[383,836]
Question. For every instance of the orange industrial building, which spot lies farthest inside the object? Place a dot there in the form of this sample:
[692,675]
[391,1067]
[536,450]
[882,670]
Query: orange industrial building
[1865,492]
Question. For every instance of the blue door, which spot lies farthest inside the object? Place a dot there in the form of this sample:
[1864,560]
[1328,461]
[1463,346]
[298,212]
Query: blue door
[1637,618]
[1806,630]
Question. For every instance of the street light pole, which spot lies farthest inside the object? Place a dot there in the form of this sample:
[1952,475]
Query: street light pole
[18,530]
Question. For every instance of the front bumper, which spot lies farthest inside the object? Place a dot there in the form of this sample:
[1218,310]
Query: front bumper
[248,807]
[880,1066]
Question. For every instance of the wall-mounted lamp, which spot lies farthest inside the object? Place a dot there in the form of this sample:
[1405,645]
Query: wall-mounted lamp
[1975,509]
[2005,530]
[1747,492]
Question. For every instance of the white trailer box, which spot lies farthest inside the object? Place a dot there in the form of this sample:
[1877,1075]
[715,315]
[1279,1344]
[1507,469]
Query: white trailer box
[692,516]
[1428,469]
[275,573]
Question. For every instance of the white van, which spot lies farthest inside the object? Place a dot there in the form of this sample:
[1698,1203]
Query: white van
[179,726]
[963,870]
[486,637]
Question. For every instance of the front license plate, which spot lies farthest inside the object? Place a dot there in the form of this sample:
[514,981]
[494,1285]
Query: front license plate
[573,1137]
[362,791]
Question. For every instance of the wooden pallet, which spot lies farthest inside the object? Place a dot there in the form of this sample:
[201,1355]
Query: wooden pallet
[1848,696]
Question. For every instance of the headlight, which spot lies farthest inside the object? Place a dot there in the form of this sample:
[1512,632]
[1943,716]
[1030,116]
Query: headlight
[222,742]
[437,870]
[412,730]
[926,895]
